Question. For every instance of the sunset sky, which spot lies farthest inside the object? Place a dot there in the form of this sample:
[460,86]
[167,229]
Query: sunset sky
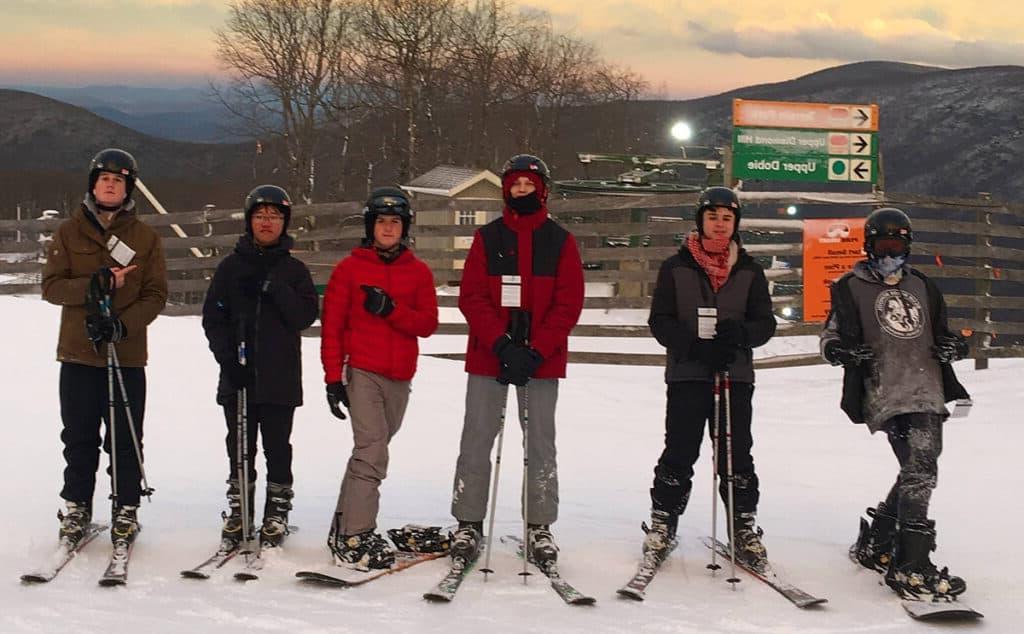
[684,48]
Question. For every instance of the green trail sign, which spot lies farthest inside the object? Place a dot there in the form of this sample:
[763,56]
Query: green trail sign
[811,169]
[814,156]
[771,141]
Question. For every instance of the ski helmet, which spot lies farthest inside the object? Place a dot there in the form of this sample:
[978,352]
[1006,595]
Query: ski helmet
[387,201]
[268,195]
[114,161]
[887,232]
[713,197]
[527,163]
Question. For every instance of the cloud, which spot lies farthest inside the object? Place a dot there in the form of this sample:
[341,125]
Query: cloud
[908,43]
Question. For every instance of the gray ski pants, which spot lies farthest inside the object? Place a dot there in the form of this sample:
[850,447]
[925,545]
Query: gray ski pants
[484,400]
[377,405]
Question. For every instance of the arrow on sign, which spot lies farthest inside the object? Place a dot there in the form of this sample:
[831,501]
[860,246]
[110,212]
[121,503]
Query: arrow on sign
[861,170]
[860,144]
[862,116]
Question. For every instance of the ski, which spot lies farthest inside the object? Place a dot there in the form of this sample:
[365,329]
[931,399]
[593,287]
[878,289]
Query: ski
[254,565]
[563,588]
[116,573]
[939,609]
[225,552]
[798,597]
[345,577]
[62,556]
[650,563]
[445,590]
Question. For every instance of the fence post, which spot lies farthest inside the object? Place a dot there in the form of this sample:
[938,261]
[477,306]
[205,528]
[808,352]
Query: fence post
[982,283]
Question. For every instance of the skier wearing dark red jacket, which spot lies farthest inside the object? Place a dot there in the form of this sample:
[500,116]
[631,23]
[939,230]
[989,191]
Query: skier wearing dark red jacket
[378,301]
[521,293]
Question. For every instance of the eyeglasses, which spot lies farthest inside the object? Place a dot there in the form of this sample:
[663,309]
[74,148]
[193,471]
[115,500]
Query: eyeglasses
[889,246]
[268,218]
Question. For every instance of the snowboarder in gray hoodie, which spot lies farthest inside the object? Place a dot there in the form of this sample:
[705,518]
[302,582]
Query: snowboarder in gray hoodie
[887,327]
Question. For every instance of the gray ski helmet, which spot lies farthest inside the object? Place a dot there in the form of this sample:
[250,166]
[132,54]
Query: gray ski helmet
[268,195]
[527,163]
[114,161]
[887,222]
[717,197]
[387,201]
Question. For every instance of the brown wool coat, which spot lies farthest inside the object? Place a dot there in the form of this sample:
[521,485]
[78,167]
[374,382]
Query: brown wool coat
[77,251]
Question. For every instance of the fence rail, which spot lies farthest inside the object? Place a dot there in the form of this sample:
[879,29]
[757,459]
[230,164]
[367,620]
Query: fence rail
[654,227]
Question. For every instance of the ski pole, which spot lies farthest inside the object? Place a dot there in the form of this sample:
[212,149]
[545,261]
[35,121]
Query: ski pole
[713,566]
[110,419]
[494,487]
[526,468]
[242,443]
[729,475]
[146,489]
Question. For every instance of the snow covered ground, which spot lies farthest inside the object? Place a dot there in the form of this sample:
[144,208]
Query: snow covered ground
[818,472]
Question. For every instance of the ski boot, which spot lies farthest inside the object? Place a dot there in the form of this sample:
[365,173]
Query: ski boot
[231,530]
[465,542]
[125,524]
[875,543]
[74,522]
[540,545]
[275,515]
[661,533]
[912,574]
[748,546]
[363,551]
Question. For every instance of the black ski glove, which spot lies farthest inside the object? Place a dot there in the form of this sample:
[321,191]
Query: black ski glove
[101,329]
[950,349]
[836,354]
[713,353]
[519,365]
[239,376]
[731,332]
[377,302]
[337,396]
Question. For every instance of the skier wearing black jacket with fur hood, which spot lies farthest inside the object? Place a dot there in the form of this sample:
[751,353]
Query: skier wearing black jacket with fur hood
[713,276]
[262,293]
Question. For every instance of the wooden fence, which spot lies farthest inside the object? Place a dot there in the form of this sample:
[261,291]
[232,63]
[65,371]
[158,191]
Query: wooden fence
[979,243]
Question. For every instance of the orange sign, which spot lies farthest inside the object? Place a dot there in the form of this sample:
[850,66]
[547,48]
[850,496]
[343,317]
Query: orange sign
[812,116]
[831,248]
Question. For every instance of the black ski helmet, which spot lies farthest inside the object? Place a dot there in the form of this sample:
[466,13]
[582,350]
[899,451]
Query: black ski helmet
[527,163]
[268,195]
[386,201]
[887,222]
[717,197]
[114,161]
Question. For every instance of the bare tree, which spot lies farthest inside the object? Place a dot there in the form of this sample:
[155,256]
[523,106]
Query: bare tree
[285,62]
[403,48]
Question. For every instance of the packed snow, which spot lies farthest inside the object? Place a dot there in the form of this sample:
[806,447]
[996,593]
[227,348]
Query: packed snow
[818,473]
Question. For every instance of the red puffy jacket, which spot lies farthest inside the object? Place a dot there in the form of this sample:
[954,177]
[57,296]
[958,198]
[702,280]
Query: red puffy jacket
[552,289]
[382,345]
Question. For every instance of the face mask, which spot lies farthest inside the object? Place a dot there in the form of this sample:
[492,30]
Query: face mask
[527,204]
[888,265]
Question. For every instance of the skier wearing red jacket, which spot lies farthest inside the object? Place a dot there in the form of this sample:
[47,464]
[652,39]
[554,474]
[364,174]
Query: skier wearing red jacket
[378,301]
[521,293]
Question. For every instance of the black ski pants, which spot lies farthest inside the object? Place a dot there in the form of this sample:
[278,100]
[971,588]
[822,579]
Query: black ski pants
[274,424]
[84,406]
[689,405]
[916,439]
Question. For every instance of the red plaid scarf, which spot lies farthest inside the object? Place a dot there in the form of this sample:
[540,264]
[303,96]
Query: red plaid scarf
[716,257]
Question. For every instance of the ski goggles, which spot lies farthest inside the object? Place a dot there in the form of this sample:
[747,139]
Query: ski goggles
[889,246]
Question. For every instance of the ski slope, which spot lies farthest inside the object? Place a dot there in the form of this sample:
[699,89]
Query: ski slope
[818,473]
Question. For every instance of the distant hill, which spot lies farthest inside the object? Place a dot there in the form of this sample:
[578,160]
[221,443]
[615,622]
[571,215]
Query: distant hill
[942,132]
[179,114]
[48,144]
